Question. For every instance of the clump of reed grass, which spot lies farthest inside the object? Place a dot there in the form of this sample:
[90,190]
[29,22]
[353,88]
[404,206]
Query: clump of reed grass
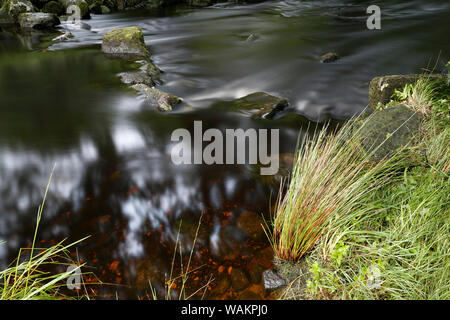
[331,179]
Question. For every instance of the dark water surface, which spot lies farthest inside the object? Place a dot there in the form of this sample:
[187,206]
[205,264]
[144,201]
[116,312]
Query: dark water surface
[114,179]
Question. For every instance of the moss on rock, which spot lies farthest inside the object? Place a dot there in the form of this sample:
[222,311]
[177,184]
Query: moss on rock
[127,43]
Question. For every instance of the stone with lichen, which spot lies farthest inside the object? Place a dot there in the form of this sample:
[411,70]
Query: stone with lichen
[126,43]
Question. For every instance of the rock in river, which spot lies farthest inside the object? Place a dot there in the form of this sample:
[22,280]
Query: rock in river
[38,20]
[156,98]
[252,224]
[127,43]
[272,281]
[260,105]
[239,280]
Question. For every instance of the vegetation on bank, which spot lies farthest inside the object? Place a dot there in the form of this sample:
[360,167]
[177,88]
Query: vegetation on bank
[372,230]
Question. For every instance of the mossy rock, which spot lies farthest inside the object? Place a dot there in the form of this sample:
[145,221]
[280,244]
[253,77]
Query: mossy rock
[382,88]
[389,130]
[11,9]
[258,105]
[38,20]
[329,57]
[54,7]
[127,43]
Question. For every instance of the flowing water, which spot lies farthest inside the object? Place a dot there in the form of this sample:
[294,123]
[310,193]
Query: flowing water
[62,103]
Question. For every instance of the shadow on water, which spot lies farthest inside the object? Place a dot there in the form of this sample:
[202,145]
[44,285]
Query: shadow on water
[115,179]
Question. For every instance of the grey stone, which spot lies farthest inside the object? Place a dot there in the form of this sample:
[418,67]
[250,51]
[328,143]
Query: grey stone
[11,9]
[272,281]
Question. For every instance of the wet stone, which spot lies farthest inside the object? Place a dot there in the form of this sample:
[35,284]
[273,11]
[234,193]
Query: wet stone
[329,57]
[249,295]
[127,43]
[132,78]
[272,281]
[256,274]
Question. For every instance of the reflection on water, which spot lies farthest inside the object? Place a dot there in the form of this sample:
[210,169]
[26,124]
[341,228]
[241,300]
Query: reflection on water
[114,178]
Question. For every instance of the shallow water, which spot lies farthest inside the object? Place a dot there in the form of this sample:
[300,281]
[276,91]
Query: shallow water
[114,179]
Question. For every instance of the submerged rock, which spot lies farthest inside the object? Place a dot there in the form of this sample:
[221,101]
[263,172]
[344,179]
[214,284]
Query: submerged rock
[252,224]
[239,279]
[105,9]
[329,57]
[127,43]
[260,105]
[156,98]
[81,4]
[272,281]
[252,38]
[381,89]
[11,9]
[65,36]
[38,20]
[388,130]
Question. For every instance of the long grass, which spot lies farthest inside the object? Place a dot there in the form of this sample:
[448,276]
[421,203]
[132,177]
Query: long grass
[331,178]
[29,278]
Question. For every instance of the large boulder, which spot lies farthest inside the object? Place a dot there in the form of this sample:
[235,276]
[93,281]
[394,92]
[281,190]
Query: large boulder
[11,9]
[389,130]
[127,43]
[382,88]
[38,20]
[260,105]
[161,100]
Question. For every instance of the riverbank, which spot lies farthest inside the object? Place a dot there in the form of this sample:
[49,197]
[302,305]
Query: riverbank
[393,241]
